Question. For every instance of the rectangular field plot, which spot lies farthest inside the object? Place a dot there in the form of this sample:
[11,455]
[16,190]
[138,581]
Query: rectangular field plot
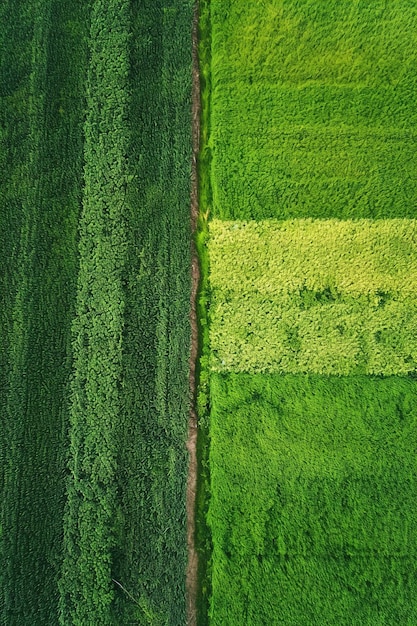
[95,153]
[320,296]
[313,507]
[314,109]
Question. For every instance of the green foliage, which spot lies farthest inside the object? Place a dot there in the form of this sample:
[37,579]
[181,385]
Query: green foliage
[314,484]
[314,108]
[150,557]
[112,78]
[203,535]
[131,334]
[86,586]
[321,296]
[204,157]
[42,85]
[313,478]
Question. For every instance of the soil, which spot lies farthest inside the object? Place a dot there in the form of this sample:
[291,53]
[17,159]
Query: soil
[192,565]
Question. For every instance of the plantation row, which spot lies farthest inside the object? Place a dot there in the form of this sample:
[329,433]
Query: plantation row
[96,152]
[308,392]
[92,512]
[42,75]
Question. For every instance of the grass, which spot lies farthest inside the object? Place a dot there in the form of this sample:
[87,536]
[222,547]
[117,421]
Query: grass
[42,90]
[323,296]
[92,510]
[314,109]
[96,114]
[311,164]
[313,500]
[126,518]
[203,534]
[151,555]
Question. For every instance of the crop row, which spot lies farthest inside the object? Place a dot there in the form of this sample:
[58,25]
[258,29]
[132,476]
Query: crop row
[89,525]
[42,109]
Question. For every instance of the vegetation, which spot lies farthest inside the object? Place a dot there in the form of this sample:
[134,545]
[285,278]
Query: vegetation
[42,86]
[86,587]
[313,473]
[313,500]
[150,558]
[309,111]
[203,535]
[322,296]
[96,150]
[131,333]
[313,109]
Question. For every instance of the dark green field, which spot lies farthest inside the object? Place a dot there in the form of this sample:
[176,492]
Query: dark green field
[95,280]
[42,102]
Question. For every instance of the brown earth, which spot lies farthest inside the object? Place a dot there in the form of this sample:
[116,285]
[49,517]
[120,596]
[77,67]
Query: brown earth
[192,565]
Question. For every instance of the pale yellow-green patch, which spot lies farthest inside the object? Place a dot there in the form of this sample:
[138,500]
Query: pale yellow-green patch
[322,296]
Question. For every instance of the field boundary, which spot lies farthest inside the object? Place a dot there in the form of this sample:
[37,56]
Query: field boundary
[192,564]
[202,384]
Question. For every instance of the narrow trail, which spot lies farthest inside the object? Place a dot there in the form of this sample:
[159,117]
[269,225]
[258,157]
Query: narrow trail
[192,565]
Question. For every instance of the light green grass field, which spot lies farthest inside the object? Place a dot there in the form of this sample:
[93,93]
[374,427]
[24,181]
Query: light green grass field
[323,296]
[313,508]
[314,109]
[312,254]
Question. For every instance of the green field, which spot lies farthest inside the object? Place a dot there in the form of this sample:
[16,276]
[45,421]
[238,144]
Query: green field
[310,145]
[313,110]
[307,306]
[42,102]
[323,296]
[313,506]
[95,279]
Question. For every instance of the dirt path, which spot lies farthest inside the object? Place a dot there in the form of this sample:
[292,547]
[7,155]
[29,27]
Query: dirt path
[192,566]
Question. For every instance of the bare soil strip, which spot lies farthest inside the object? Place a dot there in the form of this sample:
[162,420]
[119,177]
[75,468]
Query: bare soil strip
[192,566]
